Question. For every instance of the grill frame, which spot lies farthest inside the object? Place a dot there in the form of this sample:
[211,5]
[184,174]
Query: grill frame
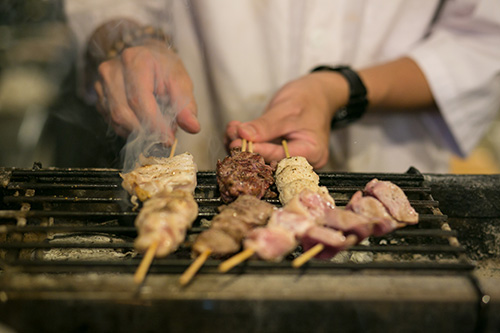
[105,181]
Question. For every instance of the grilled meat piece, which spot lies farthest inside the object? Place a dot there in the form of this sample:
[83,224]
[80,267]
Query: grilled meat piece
[271,243]
[244,173]
[165,218]
[394,200]
[373,209]
[349,222]
[293,174]
[294,221]
[333,241]
[232,224]
[157,175]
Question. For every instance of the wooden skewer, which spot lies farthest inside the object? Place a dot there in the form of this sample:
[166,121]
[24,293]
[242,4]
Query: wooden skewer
[194,267]
[235,260]
[172,151]
[143,268]
[313,251]
[244,145]
[285,147]
[308,255]
[250,146]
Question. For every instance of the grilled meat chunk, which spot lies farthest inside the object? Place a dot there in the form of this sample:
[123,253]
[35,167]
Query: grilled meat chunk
[371,208]
[244,173]
[293,174]
[333,241]
[394,200]
[165,219]
[350,223]
[232,224]
[271,243]
[157,175]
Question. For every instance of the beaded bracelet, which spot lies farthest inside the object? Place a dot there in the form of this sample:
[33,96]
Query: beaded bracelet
[137,37]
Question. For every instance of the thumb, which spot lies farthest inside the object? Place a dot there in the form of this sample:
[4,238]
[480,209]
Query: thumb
[268,127]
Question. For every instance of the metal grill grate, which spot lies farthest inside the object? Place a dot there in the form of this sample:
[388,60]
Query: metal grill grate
[80,220]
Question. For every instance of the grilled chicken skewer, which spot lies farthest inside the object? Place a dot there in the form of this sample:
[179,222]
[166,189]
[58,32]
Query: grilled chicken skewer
[166,186]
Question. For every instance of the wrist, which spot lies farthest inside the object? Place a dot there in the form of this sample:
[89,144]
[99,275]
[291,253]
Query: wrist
[336,89]
[354,106]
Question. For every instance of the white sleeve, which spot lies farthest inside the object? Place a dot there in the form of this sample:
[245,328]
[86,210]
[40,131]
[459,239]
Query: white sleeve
[85,16]
[461,61]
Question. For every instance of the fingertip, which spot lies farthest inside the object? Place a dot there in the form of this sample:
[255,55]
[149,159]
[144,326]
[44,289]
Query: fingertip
[188,121]
[247,131]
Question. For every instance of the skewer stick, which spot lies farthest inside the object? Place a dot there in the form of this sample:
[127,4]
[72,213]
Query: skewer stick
[308,255]
[243,145]
[172,150]
[194,267]
[235,260]
[143,268]
[285,147]
[250,146]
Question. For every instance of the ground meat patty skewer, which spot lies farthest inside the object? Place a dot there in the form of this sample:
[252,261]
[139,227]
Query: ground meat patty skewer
[244,172]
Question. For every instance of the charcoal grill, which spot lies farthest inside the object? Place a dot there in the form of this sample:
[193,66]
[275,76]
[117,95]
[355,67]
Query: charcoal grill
[67,260]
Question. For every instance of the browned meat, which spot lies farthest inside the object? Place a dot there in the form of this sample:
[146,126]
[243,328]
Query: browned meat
[394,200]
[232,224]
[244,173]
[349,222]
[216,239]
[371,208]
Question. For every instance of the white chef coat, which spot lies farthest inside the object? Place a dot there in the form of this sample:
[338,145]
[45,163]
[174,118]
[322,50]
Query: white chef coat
[239,53]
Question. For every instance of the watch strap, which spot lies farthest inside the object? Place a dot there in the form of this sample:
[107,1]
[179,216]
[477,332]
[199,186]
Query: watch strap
[358,102]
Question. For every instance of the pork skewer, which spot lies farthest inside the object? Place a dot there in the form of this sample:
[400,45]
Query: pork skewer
[384,209]
[228,229]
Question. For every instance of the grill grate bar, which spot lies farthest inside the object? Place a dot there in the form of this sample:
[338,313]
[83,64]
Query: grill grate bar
[129,245]
[211,266]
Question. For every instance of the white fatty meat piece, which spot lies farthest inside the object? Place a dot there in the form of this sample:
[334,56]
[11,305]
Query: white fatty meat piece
[165,218]
[163,175]
[295,161]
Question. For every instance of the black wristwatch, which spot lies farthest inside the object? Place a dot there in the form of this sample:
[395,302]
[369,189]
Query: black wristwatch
[358,102]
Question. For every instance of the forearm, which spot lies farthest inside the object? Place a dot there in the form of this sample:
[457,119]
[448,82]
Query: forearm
[399,84]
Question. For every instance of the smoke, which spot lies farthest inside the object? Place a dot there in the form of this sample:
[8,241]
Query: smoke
[155,136]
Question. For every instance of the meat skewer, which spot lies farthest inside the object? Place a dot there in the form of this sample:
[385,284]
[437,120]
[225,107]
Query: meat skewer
[228,229]
[244,172]
[231,225]
[166,186]
[384,209]
[304,203]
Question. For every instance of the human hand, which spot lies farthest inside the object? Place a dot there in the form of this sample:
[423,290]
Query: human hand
[301,113]
[131,89]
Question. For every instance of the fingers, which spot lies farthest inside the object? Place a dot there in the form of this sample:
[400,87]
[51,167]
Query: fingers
[139,77]
[112,100]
